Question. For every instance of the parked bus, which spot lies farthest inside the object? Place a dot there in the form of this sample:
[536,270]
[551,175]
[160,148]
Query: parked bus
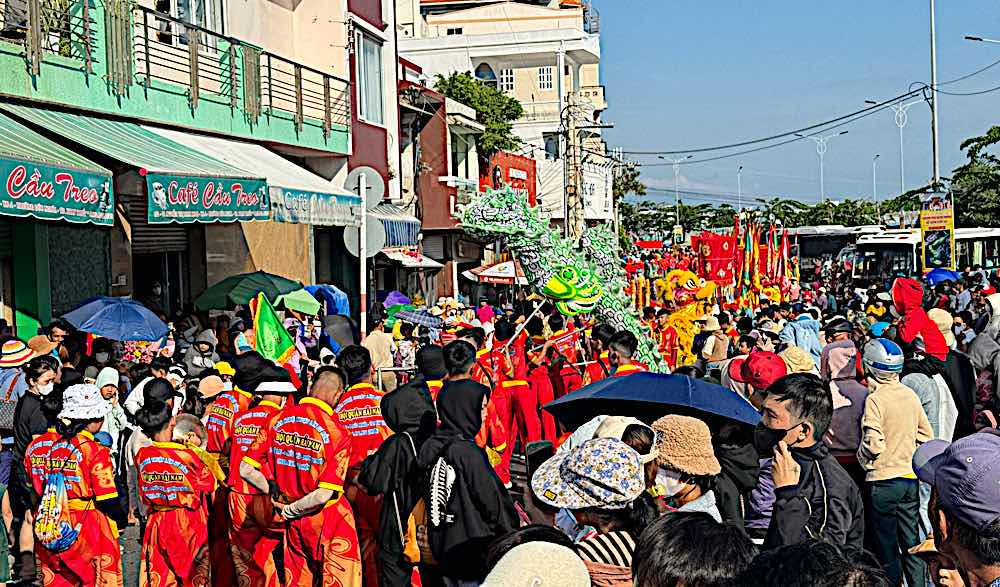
[897,252]
[815,244]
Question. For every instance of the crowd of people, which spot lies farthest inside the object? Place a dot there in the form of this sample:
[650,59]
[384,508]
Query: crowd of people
[423,457]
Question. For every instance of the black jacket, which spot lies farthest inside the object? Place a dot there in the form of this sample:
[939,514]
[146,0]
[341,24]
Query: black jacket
[740,470]
[826,504]
[392,471]
[468,507]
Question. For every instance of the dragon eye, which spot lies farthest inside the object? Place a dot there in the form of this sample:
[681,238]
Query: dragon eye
[689,284]
[569,274]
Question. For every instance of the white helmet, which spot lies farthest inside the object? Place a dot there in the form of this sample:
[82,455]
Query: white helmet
[882,356]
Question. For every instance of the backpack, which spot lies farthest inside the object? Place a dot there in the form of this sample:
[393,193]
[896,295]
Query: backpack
[53,527]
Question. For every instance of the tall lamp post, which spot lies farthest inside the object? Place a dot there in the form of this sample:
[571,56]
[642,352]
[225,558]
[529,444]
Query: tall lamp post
[677,174]
[875,188]
[900,117]
[821,151]
[739,188]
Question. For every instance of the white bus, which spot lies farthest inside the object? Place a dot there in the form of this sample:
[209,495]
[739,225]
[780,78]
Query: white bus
[895,252]
[815,244]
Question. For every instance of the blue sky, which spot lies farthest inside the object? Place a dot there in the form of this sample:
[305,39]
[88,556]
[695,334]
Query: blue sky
[691,73]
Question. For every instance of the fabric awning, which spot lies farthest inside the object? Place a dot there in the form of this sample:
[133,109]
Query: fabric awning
[504,273]
[411,259]
[297,194]
[183,185]
[402,229]
[48,181]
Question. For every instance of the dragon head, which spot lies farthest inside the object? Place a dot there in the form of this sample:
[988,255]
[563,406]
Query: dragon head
[576,290]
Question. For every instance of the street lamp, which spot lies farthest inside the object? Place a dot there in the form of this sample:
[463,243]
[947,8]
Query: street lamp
[981,40]
[739,188]
[875,188]
[821,151]
[899,115]
[677,173]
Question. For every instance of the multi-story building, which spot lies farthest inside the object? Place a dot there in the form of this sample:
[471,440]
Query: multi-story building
[180,141]
[545,54]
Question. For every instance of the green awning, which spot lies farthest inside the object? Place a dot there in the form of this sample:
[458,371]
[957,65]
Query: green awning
[41,178]
[183,185]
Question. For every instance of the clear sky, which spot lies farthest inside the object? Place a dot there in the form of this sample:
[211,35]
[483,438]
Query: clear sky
[692,73]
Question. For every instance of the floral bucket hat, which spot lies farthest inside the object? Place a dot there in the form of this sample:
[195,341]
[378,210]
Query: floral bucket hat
[603,472]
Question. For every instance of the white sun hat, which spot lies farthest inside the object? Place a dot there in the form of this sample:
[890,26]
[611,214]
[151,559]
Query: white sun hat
[84,401]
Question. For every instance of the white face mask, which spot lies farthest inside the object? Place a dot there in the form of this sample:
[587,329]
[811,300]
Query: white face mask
[101,357]
[46,389]
[669,482]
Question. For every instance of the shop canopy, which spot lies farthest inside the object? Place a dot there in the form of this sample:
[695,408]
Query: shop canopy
[183,184]
[297,195]
[401,228]
[411,259]
[48,181]
[504,273]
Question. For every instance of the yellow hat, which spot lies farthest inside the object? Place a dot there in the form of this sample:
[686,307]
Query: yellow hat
[225,368]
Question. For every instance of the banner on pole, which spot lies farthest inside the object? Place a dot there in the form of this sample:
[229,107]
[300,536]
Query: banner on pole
[937,231]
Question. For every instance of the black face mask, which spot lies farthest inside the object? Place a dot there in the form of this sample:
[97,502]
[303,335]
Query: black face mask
[766,439]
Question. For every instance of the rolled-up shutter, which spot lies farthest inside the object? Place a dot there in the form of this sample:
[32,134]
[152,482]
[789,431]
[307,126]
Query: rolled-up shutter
[153,238]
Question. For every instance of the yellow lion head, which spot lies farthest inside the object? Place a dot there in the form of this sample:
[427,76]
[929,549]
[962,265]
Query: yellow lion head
[683,287]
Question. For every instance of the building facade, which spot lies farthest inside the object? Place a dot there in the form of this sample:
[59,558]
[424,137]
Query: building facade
[547,55]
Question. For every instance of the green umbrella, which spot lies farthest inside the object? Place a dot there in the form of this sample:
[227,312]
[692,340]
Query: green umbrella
[301,301]
[240,289]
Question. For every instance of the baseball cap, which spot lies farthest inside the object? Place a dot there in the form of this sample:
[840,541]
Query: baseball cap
[966,475]
[159,389]
[760,370]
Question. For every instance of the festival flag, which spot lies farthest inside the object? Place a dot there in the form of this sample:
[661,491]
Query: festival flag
[272,340]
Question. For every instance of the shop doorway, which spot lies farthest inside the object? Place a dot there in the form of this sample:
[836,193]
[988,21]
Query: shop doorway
[162,281]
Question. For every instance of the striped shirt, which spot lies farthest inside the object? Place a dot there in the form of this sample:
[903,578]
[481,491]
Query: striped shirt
[613,548]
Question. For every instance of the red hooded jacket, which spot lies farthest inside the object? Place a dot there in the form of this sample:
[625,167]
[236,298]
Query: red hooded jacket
[908,297]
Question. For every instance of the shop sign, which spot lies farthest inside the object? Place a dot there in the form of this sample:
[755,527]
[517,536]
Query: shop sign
[174,198]
[321,209]
[55,193]
[937,230]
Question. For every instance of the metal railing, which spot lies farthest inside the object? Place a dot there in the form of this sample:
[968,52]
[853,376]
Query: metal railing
[591,19]
[256,81]
[55,27]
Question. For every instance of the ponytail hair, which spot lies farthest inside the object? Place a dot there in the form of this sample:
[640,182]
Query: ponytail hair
[153,417]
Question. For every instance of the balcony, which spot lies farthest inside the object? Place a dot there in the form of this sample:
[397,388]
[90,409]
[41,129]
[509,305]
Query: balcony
[115,57]
[595,95]
[540,112]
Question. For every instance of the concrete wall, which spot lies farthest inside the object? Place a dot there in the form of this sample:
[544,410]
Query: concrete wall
[282,249]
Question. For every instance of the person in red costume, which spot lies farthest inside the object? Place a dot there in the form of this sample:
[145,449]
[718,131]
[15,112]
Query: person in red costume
[600,367]
[908,297]
[623,346]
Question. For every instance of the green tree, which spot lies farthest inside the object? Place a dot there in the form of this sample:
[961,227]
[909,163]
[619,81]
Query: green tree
[626,183]
[494,109]
[976,185]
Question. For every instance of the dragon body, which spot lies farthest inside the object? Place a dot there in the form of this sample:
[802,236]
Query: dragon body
[584,280]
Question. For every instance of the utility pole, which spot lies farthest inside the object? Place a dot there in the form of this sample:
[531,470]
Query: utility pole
[563,137]
[934,102]
[571,166]
[821,151]
[739,189]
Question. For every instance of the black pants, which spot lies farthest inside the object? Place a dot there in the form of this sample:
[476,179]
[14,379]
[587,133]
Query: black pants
[893,524]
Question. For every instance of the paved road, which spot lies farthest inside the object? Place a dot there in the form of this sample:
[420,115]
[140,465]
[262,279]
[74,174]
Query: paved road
[130,553]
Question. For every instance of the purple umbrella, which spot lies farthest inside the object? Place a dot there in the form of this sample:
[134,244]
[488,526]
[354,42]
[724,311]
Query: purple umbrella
[395,298]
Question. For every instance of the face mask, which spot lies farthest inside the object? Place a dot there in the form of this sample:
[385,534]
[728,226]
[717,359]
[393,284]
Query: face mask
[669,482]
[766,439]
[46,389]
[101,357]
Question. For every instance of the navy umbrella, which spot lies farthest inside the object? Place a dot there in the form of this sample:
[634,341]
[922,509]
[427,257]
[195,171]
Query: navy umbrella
[117,319]
[647,396]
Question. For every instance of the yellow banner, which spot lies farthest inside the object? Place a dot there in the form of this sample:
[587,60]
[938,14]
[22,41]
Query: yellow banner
[937,231]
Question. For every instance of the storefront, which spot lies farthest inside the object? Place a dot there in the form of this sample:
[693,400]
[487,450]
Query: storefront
[56,208]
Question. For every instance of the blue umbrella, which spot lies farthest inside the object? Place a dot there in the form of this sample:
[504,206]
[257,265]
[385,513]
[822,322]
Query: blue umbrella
[117,319]
[936,276]
[420,318]
[648,396]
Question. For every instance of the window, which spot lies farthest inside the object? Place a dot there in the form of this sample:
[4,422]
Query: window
[545,77]
[459,156]
[551,145]
[206,14]
[454,31]
[484,73]
[369,79]
[506,80]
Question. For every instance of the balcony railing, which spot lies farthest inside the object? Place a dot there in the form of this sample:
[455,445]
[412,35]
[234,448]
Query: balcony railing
[259,82]
[148,48]
[540,111]
[55,27]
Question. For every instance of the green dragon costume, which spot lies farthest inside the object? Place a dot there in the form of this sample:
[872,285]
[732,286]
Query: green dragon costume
[580,281]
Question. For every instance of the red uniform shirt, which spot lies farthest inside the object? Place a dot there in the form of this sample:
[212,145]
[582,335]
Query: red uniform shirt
[518,356]
[306,448]
[85,463]
[219,417]
[360,412]
[492,368]
[249,429]
[564,343]
[624,370]
[171,475]
[597,370]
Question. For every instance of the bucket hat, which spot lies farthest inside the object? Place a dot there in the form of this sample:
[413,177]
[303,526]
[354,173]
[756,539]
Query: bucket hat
[15,353]
[84,401]
[602,472]
[685,444]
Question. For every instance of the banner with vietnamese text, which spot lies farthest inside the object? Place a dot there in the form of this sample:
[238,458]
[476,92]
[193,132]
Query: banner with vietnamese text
[937,231]
[55,193]
[206,199]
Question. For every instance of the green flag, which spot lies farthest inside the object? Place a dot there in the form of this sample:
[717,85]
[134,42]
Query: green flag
[273,341]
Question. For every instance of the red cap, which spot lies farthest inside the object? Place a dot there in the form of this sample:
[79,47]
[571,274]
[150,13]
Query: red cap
[760,370]
[988,291]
